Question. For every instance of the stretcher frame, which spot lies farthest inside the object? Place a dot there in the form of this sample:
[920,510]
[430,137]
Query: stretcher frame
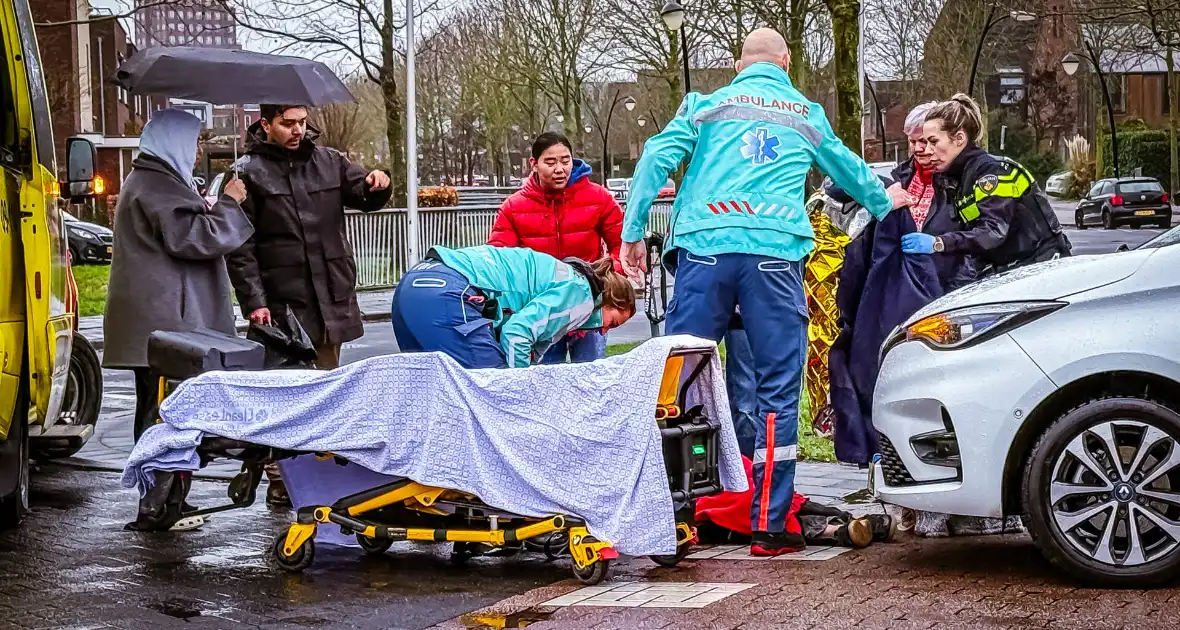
[404,510]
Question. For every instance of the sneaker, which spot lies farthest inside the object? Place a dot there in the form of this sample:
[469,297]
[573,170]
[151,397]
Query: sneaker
[884,527]
[856,533]
[776,544]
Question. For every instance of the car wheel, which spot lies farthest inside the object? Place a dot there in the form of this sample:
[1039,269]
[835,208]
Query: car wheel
[74,258]
[1166,224]
[1108,220]
[1079,220]
[1102,493]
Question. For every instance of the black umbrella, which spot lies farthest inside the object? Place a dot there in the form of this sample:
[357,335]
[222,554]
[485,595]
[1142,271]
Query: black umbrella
[228,77]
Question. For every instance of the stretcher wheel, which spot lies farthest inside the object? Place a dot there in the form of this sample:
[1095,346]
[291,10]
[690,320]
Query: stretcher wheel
[297,561]
[461,552]
[593,574]
[373,546]
[673,560]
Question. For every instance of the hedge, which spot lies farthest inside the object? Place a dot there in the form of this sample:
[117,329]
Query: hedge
[1147,149]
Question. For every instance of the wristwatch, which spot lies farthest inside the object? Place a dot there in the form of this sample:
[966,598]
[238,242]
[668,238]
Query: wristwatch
[937,243]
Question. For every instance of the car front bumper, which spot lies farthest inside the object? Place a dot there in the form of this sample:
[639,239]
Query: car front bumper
[946,420]
[94,252]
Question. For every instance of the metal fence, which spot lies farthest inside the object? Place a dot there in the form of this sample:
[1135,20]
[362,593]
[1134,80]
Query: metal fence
[380,239]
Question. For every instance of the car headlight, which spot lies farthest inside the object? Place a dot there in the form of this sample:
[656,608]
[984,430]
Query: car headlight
[83,234]
[965,327]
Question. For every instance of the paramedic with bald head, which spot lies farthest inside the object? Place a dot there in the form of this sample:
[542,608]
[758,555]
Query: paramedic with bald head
[739,236]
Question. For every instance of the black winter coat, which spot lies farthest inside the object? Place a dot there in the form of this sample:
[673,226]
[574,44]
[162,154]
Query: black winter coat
[299,255]
[1008,222]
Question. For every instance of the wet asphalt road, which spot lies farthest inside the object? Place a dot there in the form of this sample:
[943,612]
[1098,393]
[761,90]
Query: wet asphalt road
[71,565]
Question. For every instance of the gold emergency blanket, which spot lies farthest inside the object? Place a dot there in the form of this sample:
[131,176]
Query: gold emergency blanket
[819,282]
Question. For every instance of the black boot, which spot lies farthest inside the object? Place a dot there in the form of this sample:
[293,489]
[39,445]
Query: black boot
[884,527]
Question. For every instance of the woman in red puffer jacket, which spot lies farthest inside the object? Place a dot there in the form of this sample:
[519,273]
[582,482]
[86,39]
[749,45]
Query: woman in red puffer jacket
[560,212]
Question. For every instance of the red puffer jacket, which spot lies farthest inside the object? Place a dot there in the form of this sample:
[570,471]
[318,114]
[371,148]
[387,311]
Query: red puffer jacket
[573,222]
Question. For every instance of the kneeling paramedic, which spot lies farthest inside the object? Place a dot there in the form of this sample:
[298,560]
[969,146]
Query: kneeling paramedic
[1008,222]
[491,307]
[738,239]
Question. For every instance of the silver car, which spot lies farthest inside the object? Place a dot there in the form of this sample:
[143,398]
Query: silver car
[1051,392]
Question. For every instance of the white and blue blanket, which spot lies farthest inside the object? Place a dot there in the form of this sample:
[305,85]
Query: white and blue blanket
[574,439]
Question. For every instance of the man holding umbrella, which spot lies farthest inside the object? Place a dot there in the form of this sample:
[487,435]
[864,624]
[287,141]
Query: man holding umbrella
[299,257]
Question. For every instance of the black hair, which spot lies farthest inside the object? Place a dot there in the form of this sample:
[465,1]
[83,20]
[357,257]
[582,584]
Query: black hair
[547,140]
[271,111]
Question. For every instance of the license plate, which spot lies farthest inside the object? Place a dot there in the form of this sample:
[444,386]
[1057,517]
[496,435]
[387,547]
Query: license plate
[1144,213]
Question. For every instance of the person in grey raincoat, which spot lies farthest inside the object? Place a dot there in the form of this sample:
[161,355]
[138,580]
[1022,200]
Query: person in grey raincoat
[168,268]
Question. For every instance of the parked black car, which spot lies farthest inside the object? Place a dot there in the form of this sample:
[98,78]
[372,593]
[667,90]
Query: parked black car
[1136,201]
[89,242]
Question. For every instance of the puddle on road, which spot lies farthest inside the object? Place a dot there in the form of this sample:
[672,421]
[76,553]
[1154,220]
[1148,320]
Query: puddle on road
[521,619]
[860,496]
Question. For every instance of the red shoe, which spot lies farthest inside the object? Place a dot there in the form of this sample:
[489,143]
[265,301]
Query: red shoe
[776,544]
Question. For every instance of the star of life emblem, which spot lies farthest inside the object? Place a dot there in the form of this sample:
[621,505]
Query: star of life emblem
[760,146]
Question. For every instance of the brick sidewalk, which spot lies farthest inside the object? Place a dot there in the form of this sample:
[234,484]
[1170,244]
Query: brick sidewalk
[967,583]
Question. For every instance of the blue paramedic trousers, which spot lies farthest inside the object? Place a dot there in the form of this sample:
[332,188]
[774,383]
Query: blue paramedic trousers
[769,292]
[742,389]
[435,309]
[581,347]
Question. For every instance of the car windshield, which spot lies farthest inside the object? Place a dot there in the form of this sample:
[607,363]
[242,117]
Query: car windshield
[616,183]
[1140,187]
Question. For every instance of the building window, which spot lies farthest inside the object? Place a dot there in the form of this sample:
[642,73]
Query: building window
[1012,85]
[1118,92]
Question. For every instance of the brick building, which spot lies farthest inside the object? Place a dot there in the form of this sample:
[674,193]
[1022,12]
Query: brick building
[65,57]
[185,23]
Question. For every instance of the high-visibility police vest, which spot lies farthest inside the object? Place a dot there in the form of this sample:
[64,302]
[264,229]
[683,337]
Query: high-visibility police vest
[1018,183]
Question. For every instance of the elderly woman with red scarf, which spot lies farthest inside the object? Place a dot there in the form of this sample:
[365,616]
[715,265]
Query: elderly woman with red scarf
[932,213]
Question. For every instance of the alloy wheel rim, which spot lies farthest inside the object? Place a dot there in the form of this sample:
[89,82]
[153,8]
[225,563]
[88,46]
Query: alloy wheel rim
[1115,493]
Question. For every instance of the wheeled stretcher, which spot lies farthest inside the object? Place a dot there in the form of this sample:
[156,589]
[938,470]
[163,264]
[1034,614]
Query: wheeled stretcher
[403,509]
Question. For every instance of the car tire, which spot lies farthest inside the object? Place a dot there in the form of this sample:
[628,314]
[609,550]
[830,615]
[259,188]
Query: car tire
[1079,220]
[1108,222]
[1100,531]
[14,462]
[1166,224]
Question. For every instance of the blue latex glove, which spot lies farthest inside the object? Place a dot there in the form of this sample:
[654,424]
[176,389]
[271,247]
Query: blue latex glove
[917,243]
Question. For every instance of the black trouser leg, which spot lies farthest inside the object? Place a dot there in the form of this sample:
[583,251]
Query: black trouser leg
[147,394]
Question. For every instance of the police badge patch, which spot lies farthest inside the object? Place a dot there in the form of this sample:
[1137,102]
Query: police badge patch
[988,183]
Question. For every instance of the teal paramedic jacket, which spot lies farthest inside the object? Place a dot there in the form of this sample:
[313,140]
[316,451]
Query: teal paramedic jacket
[743,191]
[540,299]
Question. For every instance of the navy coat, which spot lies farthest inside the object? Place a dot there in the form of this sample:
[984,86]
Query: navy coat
[879,288]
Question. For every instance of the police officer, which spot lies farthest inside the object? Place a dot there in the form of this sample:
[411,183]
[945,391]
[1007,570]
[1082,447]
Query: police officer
[739,235]
[1007,219]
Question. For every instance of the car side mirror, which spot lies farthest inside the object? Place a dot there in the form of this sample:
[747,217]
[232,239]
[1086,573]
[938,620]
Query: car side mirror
[81,161]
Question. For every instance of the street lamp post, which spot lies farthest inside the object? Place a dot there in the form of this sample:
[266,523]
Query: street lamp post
[1017,16]
[1070,64]
[880,112]
[629,105]
[673,16]
[411,140]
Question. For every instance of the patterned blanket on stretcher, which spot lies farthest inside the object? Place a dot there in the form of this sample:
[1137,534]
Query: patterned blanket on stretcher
[576,439]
